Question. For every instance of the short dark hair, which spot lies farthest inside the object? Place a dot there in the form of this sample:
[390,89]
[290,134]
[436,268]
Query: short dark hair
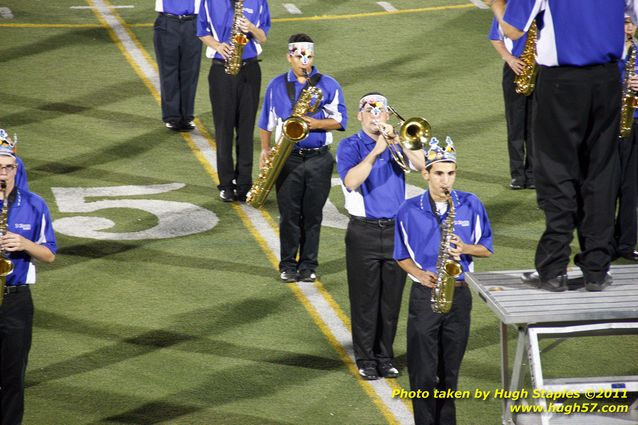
[300,38]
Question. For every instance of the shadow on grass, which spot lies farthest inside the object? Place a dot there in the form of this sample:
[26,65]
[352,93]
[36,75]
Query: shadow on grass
[190,333]
[106,249]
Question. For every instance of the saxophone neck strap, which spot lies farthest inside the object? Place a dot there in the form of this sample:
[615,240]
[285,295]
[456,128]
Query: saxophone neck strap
[290,86]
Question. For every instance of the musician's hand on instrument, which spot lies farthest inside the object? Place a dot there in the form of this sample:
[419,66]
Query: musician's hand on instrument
[244,25]
[456,247]
[262,157]
[225,50]
[313,124]
[517,65]
[12,242]
[426,278]
[633,82]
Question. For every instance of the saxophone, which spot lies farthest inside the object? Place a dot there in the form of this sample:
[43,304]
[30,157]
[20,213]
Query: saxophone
[237,41]
[6,266]
[447,270]
[525,83]
[629,97]
[293,130]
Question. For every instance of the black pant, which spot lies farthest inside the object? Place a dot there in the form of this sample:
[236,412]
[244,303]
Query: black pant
[302,190]
[518,116]
[576,127]
[179,54]
[436,345]
[626,220]
[234,100]
[16,324]
[375,285]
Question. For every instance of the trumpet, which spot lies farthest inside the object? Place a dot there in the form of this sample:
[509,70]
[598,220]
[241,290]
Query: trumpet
[413,134]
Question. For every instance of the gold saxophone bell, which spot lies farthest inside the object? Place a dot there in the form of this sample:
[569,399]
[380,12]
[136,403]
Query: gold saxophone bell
[295,129]
[413,133]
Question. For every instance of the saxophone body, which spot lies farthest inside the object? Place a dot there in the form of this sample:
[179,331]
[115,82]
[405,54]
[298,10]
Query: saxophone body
[6,266]
[294,129]
[237,41]
[526,82]
[629,97]
[447,269]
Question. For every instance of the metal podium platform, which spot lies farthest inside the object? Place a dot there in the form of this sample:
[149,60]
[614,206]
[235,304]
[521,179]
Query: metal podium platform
[540,314]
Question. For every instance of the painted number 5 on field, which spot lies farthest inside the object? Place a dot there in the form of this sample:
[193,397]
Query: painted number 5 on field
[173,218]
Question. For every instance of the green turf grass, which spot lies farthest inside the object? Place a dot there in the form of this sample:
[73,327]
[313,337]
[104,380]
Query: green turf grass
[197,329]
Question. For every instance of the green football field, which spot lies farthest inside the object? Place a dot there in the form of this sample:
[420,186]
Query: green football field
[164,303]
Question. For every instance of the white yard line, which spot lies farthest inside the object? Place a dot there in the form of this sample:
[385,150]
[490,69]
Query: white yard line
[387,6]
[113,7]
[395,410]
[480,4]
[291,8]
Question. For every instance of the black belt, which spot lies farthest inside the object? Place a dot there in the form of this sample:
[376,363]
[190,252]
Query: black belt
[244,62]
[458,284]
[13,289]
[307,152]
[381,222]
[178,17]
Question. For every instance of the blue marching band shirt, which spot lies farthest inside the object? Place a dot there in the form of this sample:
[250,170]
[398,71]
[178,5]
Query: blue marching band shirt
[383,192]
[278,107]
[573,39]
[29,217]
[178,7]
[211,21]
[515,47]
[417,233]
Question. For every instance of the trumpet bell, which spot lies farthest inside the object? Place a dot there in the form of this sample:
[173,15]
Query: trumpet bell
[415,132]
[295,129]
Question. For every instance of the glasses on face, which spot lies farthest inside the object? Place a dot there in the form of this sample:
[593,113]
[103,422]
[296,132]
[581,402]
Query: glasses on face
[8,168]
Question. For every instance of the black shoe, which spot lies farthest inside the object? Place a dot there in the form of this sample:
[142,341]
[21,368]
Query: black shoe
[173,125]
[239,196]
[307,276]
[516,185]
[369,373]
[387,370]
[555,284]
[226,195]
[599,286]
[530,185]
[631,255]
[288,276]
[188,125]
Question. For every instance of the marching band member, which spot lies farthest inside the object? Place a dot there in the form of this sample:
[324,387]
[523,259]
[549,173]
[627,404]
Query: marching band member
[518,110]
[374,188]
[626,228]
[576,126]
[234,98]
[304,183]
[437,341]
[179,54]
[29,236]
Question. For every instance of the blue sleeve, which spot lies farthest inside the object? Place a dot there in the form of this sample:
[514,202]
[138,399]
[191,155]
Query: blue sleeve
[518,12]
[334,104]
[264,18]
[347,157]
[495,33]
[45,234]
[400,249]
[202,21]
[264,117]
[483,223]
[21,176]
[342,109]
